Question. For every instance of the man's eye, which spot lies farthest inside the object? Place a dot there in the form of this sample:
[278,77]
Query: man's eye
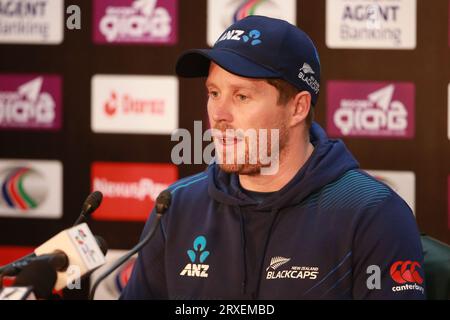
[242,97]
[213,94]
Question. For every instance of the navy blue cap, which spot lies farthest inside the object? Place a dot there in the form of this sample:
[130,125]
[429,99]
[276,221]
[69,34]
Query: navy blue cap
[260,47]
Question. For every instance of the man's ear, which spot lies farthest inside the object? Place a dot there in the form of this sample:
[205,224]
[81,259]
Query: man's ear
[299,107]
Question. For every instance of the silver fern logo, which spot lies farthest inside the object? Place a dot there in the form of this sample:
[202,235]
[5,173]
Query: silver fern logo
[306,68]
[277,262]
[306,74]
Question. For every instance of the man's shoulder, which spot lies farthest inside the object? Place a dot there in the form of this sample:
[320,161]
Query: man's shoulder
[192,185]
[356,190]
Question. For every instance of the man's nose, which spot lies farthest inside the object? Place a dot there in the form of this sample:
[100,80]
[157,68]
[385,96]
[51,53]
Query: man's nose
[221,110]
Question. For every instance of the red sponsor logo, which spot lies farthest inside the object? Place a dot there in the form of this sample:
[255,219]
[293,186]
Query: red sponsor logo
[111,105]
[406,271]
[127,104]
[130,189]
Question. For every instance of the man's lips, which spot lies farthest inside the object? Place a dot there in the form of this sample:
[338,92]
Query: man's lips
[227,140]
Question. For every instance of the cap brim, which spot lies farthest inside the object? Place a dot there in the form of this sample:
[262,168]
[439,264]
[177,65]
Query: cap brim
[195,63]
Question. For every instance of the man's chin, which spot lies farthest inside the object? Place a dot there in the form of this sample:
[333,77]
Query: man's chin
[244,169]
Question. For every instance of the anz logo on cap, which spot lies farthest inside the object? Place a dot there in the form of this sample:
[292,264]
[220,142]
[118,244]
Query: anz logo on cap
[239,35]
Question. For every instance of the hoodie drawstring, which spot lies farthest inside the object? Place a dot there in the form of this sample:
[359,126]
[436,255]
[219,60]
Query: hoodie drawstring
[243,246]
[274,212]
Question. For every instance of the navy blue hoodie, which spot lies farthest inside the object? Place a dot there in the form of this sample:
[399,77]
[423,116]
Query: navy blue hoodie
[333,232]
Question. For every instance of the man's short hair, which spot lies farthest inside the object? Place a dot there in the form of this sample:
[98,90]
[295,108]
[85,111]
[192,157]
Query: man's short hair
[286,92]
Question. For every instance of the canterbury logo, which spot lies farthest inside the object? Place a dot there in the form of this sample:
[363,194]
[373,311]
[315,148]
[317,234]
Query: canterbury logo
[277,262]
[406,271]
[306,68]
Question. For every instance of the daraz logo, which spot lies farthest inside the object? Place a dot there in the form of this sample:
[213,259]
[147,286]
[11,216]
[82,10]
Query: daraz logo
[252,37]
[197,269]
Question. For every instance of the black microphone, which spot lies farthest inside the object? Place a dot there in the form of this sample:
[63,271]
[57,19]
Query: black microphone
[58,259]
[6,268]
[40,275]
[162,204]
[34,272]
[91,204]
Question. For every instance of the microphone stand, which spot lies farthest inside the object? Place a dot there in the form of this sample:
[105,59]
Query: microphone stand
[127,256]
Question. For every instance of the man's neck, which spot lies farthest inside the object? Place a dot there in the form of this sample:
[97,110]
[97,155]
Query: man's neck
[290,164]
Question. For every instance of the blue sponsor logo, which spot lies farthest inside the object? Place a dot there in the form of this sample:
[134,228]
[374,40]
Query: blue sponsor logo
[253,37]
[199,250]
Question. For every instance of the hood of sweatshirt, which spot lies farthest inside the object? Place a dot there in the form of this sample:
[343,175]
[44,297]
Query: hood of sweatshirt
[329,160]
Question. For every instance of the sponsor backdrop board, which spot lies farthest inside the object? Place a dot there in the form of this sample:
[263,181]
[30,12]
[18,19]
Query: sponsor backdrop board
[130,189]
[30,102]
[107,94]
[134,104]
[31,189]
[371,24]
[32,22]
[135,22]
[222,13]
[370,109]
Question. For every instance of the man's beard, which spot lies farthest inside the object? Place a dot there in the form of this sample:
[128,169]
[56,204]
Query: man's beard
[246,167]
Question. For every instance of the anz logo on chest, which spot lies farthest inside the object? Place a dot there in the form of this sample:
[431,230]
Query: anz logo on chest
[199,270]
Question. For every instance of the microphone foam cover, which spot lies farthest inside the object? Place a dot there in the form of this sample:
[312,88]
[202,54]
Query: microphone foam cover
[40,275]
